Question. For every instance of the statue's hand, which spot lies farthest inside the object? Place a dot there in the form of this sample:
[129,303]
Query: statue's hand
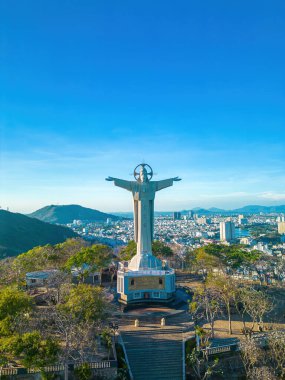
[110,179]
[176,179]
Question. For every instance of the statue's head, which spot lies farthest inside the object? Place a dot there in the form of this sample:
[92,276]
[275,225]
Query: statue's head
[143,174]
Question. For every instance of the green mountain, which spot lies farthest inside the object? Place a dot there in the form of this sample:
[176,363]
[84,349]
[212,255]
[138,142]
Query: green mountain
[19,233]
[68,213]
[255,209]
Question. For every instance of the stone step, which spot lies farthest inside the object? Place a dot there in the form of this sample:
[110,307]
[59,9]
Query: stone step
[154,353]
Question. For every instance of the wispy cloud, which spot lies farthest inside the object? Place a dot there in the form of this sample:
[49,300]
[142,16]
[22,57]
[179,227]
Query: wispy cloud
[272,196]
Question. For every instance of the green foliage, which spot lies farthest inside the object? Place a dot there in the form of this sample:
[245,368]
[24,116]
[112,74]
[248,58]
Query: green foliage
[193,306]
[35,259]
[14,304]
[86,303]
[36,352]
[219,256]
[31,349]
[128,252]
[95,258]
[190,344]
[263,232]
[161,250]
[106,336]
[83,372]
[46,257]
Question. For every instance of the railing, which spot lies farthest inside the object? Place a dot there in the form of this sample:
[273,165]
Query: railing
[223,348]
[147,272]
[57,368]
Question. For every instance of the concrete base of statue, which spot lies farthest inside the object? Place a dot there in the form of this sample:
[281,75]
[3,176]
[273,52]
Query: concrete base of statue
[145,280]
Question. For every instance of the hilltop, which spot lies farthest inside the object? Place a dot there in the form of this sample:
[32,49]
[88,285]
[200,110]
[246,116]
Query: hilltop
[19,233]
[64,214]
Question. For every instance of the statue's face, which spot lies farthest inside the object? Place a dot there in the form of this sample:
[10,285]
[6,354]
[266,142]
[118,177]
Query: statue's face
[143,175]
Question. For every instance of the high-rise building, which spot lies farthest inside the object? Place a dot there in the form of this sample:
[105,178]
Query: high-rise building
[176,215]
[227,231]
[190,214]
[242,220]
[281,228]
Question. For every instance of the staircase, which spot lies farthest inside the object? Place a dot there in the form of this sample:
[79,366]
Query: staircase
[154,352]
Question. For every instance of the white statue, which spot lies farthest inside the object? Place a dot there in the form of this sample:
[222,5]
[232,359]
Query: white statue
[143,194]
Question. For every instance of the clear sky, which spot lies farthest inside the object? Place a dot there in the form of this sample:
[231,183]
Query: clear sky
[195,88]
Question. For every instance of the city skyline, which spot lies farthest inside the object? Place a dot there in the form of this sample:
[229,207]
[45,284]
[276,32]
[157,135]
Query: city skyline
[89,90]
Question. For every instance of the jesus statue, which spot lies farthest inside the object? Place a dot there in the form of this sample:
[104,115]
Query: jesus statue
[143,190]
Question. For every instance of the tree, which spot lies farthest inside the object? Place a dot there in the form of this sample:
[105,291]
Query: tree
[256,304]
[77,321]
[85,303]
[264,362]
[206,304]
[255,361]
[190,260]
[83,371]
[226,289]
[57,284]
[46,257]
[198,358]
[38,258]
[67,249]
[34,351]
[129,251]
[251,356]
[91,259]
[14,305]
[7,273]
[198,361]
[276,345]
[206,262]
[161,250]
[225,258]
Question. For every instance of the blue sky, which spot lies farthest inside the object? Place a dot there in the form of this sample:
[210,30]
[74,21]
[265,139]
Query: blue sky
[92,88]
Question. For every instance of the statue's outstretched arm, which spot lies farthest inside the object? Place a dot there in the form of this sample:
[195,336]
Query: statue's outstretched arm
[166,183]
[121,183]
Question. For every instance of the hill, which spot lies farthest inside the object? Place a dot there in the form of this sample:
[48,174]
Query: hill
[250,209]
[68,213]
[255,209]
[19,233]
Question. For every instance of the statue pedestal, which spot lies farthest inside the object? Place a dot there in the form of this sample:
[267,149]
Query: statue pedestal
[145,285]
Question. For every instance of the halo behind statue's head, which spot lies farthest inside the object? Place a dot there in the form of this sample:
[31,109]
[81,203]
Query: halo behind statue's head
[144,174]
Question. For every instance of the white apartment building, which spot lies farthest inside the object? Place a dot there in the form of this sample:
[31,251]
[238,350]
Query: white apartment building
[227,231]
